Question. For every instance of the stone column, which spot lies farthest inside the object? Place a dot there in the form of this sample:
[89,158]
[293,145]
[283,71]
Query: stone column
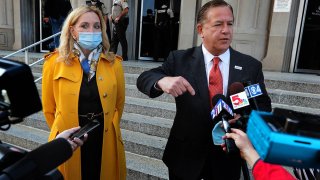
[187,27]
[6,24]
[281,38]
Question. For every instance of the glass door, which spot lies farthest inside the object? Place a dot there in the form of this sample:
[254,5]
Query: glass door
[159,27]
[309,42]
[146,30]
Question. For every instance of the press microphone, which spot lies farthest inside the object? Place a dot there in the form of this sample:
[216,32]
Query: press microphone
[222,110]
[252,91]
[40,161]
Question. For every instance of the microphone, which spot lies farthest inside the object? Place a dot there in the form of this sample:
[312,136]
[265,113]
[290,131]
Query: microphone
[222,111]
[238,96]
[39,161]
[252,91]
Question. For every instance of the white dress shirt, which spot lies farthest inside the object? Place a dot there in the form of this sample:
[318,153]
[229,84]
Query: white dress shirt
[223,65]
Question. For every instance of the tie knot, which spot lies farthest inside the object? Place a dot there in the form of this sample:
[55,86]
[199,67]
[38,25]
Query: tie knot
[216,60]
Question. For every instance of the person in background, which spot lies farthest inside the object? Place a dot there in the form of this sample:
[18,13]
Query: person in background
[147,34]
[55,12]
[83,81]
[100,5]
[260,169]
[194,76]
[162,27]
[120,20]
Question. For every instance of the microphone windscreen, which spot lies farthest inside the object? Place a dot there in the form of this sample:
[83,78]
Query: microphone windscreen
[235,88]
[50,155]
[217,97]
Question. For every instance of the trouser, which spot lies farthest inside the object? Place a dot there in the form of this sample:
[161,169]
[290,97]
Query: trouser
[56,25]
[161,42]
[119,35]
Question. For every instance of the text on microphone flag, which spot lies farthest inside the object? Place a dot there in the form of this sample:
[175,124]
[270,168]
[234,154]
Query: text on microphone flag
[253,90]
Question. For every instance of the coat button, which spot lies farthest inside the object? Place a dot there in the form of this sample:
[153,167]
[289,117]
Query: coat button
[100,78]
[106,130]
[106,113]
[105,95]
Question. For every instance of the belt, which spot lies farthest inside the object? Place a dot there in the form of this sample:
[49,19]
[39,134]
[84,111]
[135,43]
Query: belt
[91,116]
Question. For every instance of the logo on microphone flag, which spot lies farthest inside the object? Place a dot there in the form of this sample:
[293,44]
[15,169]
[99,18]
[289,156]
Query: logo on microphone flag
[219,107]
[239,100]
[253,90]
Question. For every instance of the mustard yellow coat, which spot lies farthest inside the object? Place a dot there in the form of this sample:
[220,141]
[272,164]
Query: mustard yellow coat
[60,96]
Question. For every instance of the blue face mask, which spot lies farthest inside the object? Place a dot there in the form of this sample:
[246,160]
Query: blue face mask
[89,40]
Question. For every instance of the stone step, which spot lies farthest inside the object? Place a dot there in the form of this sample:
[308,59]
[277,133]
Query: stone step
[145,168]
[153,126]
[308,83]
[147,144]
[297,108]
[295,98]
[143,144]
[149,107]
[138,165]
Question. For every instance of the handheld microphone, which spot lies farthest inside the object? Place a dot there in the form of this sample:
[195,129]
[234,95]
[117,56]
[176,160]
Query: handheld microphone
[240,104]
[223,111]
[252,91]
[39,161]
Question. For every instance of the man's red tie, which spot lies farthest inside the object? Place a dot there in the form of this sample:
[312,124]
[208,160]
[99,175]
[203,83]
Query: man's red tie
[215,79]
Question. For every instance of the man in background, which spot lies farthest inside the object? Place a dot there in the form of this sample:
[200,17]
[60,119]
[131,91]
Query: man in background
[120,21]
[100,5]
[55,12]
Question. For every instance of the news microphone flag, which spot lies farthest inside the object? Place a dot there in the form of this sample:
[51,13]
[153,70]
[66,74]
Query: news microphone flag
[221,105]
[239,100]
[253,90]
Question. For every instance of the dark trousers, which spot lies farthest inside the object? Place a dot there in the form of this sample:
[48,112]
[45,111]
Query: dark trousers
[161,42]
[215,168]
[119,35]
[56,25]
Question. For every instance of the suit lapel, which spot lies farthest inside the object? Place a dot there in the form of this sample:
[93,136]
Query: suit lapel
[200,77]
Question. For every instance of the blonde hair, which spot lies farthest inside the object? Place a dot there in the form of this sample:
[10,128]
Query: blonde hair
[66,40]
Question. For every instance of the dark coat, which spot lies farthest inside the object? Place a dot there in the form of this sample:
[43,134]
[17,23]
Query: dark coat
[190,141]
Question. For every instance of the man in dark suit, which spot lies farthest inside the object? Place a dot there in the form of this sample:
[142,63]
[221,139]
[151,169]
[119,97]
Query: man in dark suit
[190,153]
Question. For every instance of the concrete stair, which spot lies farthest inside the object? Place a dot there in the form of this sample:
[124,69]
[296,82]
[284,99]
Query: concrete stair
[146,122]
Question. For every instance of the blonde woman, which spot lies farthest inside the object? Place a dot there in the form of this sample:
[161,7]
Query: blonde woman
[82,81]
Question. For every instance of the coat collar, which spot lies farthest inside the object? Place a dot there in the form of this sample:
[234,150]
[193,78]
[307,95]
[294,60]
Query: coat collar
[73,71]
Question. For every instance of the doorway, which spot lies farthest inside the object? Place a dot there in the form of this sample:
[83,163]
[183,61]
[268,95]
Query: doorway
[308,58]
[158,28]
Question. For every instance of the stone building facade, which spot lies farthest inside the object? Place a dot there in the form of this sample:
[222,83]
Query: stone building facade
[273,31]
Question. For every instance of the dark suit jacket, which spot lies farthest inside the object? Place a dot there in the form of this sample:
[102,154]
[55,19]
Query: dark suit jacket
[190,141]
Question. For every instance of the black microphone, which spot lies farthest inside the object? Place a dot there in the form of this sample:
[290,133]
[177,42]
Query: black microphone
[240,104]
[252,91]
[222,110]
[39,161]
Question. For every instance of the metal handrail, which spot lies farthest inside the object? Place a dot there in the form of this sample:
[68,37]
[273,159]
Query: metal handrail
[32,45]
[26,53]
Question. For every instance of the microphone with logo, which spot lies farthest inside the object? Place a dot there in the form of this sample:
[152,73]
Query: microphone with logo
[240,103]
[222,110]
[252,91]
[40,161]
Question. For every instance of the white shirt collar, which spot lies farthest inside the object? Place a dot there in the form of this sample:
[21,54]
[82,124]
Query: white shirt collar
[225,57]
